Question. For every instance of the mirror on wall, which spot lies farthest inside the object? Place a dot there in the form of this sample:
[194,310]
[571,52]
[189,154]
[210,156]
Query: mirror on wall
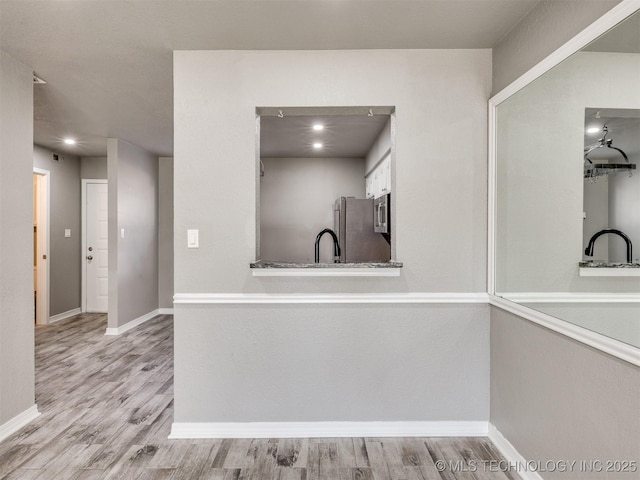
[568,190]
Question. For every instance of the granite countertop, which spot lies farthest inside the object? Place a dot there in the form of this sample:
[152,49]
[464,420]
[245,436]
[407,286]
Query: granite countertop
[268,264]
[598,264]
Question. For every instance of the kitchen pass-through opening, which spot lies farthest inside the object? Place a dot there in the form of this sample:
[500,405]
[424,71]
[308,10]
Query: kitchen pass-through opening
[325,169]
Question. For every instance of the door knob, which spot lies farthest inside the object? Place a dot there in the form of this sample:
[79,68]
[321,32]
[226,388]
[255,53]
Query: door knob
[90,257]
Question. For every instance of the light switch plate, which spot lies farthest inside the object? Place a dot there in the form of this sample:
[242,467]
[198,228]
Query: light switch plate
[122,233]
[192,239]
[67,233]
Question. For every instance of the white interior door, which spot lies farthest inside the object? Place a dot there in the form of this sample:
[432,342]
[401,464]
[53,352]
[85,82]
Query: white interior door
[96,254]
[41,243]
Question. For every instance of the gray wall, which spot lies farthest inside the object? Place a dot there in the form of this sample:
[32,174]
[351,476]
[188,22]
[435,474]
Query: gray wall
[548,26]
[291,363]
[556,399]
[296,202]
[440,196]
[93,167]
[440,233]
[540,173]
[16,239]
[133,206]
[165,232]
[64,253]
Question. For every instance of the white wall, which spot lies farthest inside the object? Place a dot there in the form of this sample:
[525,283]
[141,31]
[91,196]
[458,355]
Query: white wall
[441,112]
[550,24]
[64,252]
[297,196]
[540,173]
[133,207]
[16,239]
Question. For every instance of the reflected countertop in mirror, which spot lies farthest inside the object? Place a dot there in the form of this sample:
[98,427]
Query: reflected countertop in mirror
[596,264]
[595,268]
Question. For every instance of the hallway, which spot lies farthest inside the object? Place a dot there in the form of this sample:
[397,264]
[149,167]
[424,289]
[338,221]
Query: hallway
[107,409]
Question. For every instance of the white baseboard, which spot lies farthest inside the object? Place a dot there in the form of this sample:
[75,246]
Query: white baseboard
[132,324]
[515,461]
[328,429]
[64,315]
[19,421]
[165,311]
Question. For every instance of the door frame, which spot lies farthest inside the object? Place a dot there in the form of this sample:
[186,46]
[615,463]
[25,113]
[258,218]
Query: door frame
[83,253]
[43,212]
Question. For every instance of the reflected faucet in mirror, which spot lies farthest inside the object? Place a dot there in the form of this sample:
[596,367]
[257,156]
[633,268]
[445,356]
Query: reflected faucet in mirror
[336,246]
[589,250]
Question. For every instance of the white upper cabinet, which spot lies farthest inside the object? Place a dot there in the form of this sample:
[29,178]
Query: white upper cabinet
[369,186]
[378,181]
[378,165]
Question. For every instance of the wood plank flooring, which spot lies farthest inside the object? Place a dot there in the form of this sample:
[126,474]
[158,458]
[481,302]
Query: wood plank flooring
[107,408]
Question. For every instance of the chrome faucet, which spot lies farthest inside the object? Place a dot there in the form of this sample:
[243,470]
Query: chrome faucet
[336,246]
[589,250]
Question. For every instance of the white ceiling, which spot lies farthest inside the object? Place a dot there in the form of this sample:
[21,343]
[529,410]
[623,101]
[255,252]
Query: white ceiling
[108,64]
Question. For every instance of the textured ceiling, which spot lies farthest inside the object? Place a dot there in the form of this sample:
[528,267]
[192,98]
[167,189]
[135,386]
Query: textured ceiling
[108,64]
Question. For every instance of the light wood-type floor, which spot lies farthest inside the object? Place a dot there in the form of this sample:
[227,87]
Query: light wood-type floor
[107,408]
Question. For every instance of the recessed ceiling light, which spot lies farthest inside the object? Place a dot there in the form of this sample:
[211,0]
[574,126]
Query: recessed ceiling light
[594,129]
[318,127]
[317,145]
[69,141]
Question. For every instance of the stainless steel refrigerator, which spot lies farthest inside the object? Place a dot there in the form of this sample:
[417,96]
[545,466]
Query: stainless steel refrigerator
[353,224]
